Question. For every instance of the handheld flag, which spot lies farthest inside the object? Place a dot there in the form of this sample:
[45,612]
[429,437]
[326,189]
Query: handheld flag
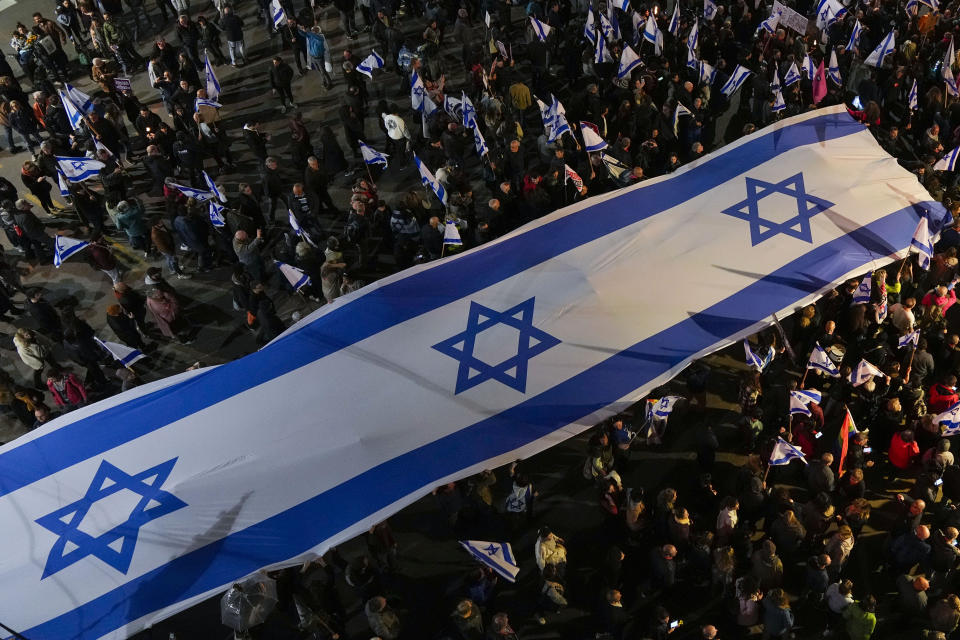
[709,10]
[949,420]
[950,81]
[912,102]
[429,107]
[590,27]
[212,85]
[74,113]
[215,209]
[660,409]
[64,247]
[864,291]
[847,429]
[800,398]
[614,166]
[62,184]
[708,73]
[79,169]
[82,101]
[570,174]
[368,64]
[692,63]
[792,75]
[451,234]
[948,162]
[912,7]
[754,361]
[121,353]
[679,111]
[770,24]
[558,118]
[784,452]
[591,137]
[478,141]
[922,242]
[296,277]
[496,555]
[213,188]
[819,84]
[628,61]
[468,110]
[428,180]
[949,58]
[809,69]
[885,48]
[371,155]
[693,37]
[417,92]
[204,102]
[674,26]
[864,372]
[737,78]
[297,229]
[601,52]
[452,107]
[197,194]
[833,71]
[278,15]
[653,35]
[778,102]
[854,36]
[609,25]
[775,85]
[486,18]
[540,29]
[820,361]
[911,339]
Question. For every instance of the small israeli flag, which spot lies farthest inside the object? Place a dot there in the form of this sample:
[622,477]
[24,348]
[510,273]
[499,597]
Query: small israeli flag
[205,102]
[546,114]
[215,209]
[693,38]
[692,62]
[775,85]
[417,92]
[297,229]
[212,85]
[679,111]
[453,107]
[911,7]
[64,247]
[368,64]
[820,361]
[912,101]
[864,371]
[623,5]
[74,113]
[948,162]
[708,73]
[296,277]
[560,124]
[601,52]
[79,169]
[770,24]
[81,100]
[629,60]
[496,555]
[197,194]
[590,27]
[854,36]
[468,110]
[429,107]
[451,235]
[737,78]
[591,137]
[933,4]
[783,452]
[912,338]
[950,81]
[809,69]
[478,141]
[709,10]
[540,29]
[922,242]
[949,58]
[212,187]
[62,183]
[122,353]
[950,420]
[833,71]
[371,155]
[653,35]
[778,102]
[754,361]
[674,26]
[864,291]
[278,15]
[792,76]
[428,180]
[662,408]
[486,18]
[609,25]
[883,49]
[800,398]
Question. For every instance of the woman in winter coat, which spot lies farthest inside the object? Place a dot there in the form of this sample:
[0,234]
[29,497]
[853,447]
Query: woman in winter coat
[33,354]
[777,616]
[38,184]
[166,313]
[67,390]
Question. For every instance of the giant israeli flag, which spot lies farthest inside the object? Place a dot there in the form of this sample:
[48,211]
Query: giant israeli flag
[125,511]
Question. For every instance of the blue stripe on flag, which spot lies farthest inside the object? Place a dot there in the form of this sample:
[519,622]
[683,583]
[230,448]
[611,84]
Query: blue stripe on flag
[378,311]
[244,551]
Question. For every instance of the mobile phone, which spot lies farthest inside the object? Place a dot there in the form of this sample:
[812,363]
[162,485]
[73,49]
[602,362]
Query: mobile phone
[867,449]
[938,482]
[674,624]
[818,434]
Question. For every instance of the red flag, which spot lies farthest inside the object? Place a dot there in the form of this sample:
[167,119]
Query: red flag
[843,438]
[819,84]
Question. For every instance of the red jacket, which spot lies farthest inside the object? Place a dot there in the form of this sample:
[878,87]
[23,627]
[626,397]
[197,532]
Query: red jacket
[942,398]
[73,389]
[902,453]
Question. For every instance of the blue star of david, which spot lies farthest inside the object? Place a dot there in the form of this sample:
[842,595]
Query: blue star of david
[78,164]
[520,318]
[115,547]
[492,549]
[797,227]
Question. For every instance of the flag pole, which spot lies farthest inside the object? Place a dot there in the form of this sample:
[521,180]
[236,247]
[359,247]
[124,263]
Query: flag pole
[15,634]
[370,175]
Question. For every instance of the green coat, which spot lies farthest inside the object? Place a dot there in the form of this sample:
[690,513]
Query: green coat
[860,624]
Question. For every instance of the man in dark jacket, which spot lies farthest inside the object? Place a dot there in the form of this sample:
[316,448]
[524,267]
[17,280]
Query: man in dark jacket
[256,140]
[189,35]
[281,75]
[232,26]
[35,239]
[43,313]
[272,186]
[159,168]
[249,205]
[315,182]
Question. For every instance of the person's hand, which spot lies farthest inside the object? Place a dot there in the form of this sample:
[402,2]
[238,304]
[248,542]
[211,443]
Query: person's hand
[899,497]
[869,463]
[259,233]
[273,91]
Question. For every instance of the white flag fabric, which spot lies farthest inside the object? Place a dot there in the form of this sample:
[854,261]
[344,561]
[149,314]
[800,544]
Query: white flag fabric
[662,408]
[590,27]
[709,9]
[76,169]
[674,26]
[277,14]
[949,161]
[737,78]
[297,229]
[212,85]
[591,139]
[213,188]
[784,452]
[809,69]
[778,102]
[653,35]
[629,60]
[571,175]
[864,372]
[428,180]
[74,112]
[820,361]
[296,277]
[792,75]
[833,70]
[418,92]
[912,101]
[693,37]
[708,73]
[540,29]
[754,361]
[451,234]
[371,155]
[496,555]
[800,398]
[950,82]
[64,247]
[923,244]
[479,143]
[911,339]
[80,100]
[368,64]
[468,110]
[201,195]
[854,37]
[679,111]
[864,291]
[122,353]
[62,184]
[885,48]
[950,420]
[216,496]
[770,24]
[949,57]
[215,209]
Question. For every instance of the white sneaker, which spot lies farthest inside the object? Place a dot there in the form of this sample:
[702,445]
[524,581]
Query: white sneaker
[184,276]
[283,109]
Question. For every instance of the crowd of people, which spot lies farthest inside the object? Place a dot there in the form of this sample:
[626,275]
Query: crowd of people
[772,553]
